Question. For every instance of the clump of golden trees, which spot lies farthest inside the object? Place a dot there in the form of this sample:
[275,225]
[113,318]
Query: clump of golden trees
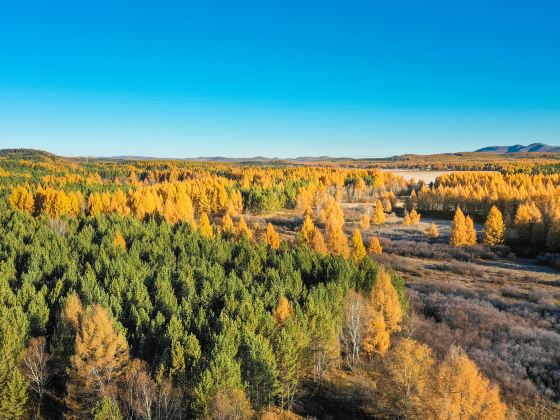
[418,386]
[529,204]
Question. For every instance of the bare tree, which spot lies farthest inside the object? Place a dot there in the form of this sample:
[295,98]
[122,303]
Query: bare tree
[147,400]
[140,392]
[353,328]
[168,401]
[35,368]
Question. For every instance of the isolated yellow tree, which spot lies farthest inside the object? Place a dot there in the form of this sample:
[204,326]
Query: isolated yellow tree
[305,235]
[358,249]
[462,392]
[118,240]
[204,226]
[318,242]
[98,364]
[458,229]
[243,230]
[414,217]
[282,311]
[385,300]
[470,231]
[432,231]
[374,246]
[379,217]
[494,228]
[271,237]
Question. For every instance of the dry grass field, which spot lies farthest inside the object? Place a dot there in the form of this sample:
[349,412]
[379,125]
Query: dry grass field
[502,309]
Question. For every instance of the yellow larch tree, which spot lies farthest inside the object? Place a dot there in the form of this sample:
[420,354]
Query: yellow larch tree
[387,206]
[365,222]
[227,223]
[73,310]
[243,230]
[271,237]
[462,392]
[98,364]
[22,199]
[305,235]
[95,204]
[318,242]
[376,336]
[358,248]
[204,226]
[379,217]
[282,311]
[385,300]
[406,218]
[374,246]
[470,231]
[527,217]
[432,231]
[414,217]
[118,240]
[458,229]
[410,369]
[494,228]
[337,242]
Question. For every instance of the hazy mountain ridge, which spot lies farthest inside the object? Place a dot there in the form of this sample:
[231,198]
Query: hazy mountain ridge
[519,148]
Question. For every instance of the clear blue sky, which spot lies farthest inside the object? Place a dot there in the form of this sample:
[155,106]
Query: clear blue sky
[278,78]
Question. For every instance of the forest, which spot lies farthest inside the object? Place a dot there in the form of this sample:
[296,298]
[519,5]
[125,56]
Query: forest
[168,289]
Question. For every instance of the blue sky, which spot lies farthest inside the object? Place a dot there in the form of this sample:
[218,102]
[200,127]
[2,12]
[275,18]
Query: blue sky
[287,78]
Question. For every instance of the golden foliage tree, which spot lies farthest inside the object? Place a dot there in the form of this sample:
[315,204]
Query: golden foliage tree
[374,246]
[432,231]
[458,229]
[408,389]
[414,217]
[318,242]
[365,222]
[376,336]
[204,226]
[463,392]
[358,249]
[470,231]
[227,223]
[73,310]
[271,237]
[22,199]
[305,235]
[379,217]
[95,204]
[282,311]
[98,364]
[243,230]
[494,228]
[118,241]
[385,300]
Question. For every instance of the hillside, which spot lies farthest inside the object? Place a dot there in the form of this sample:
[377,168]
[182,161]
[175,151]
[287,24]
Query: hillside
[519,148]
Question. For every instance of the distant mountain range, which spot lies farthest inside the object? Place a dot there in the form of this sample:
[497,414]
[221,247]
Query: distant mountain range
[519,148]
